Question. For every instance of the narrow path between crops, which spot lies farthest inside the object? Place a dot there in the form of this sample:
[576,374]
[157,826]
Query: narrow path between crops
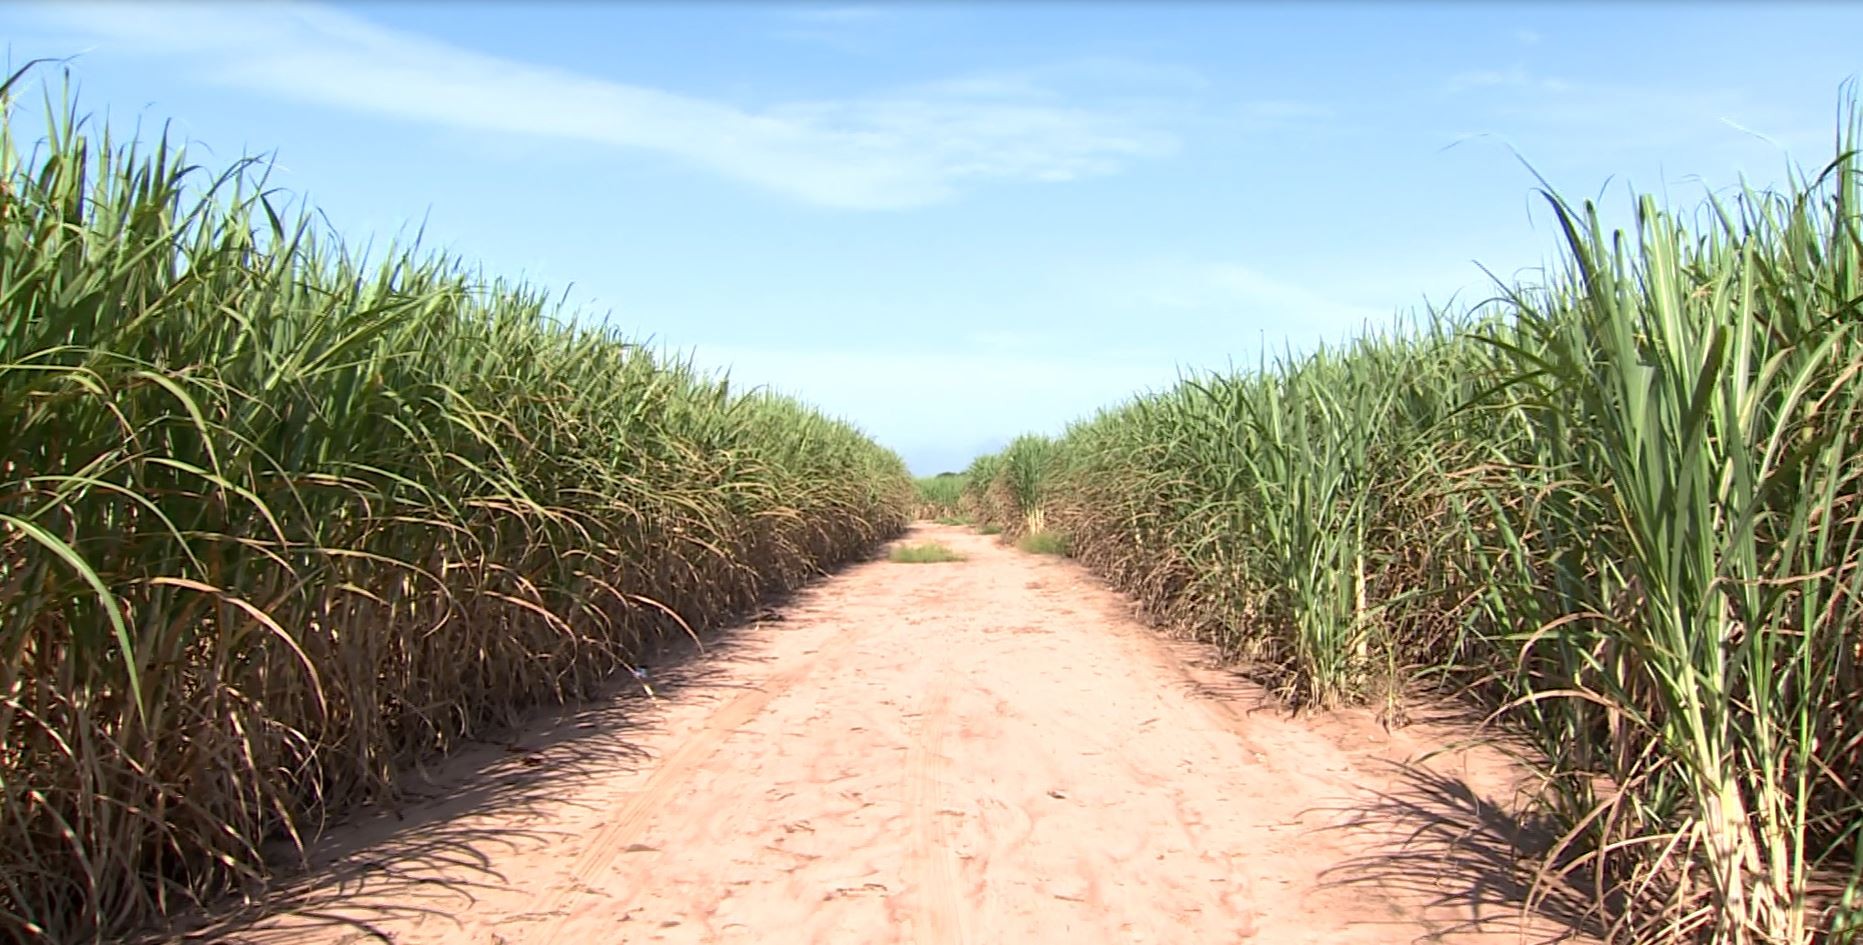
[985,751]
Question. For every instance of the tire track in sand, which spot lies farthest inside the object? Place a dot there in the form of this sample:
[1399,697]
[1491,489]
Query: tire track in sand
[981,752]
[623,827]
[938,916]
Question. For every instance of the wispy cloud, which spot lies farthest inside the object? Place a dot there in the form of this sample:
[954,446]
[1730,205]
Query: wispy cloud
[895,149]
[1516,77]
[842,14]
[1099,335]
[853,30]
[1284,110]
[1116,331]
[1264,117]
[988,395]
[1617,117]
[1236,302]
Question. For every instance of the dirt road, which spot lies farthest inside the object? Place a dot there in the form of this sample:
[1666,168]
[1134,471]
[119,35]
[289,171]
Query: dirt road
[985,751]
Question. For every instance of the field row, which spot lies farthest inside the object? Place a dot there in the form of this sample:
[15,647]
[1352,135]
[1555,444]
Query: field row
[278,520]
[1621,509]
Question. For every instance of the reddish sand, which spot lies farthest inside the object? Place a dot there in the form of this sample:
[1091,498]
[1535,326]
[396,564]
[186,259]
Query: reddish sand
[985,751]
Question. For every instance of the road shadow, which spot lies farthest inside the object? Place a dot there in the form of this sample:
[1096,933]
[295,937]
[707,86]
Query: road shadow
[1469,859]
[1446,846]
[422,856]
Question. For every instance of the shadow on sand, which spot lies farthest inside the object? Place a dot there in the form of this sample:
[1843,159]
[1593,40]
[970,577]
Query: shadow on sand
[1434,840]
[1471,858]
[369,864]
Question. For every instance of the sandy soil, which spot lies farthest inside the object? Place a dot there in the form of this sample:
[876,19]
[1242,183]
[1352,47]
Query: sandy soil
[986,751]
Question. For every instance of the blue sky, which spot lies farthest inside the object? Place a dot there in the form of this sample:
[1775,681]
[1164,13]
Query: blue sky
[954,223]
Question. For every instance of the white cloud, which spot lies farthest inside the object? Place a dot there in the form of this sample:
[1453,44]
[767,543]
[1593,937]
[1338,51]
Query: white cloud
[1516,77]
[848,14]
[1128,329]
[1236,303]
[1528,37]
[1006,340]
[853,30]
[924,401]
[1618,118]
[1281,109]
[905,148]
[1265,117]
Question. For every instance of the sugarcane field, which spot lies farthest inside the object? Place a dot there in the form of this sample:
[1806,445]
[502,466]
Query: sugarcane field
[931,473]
